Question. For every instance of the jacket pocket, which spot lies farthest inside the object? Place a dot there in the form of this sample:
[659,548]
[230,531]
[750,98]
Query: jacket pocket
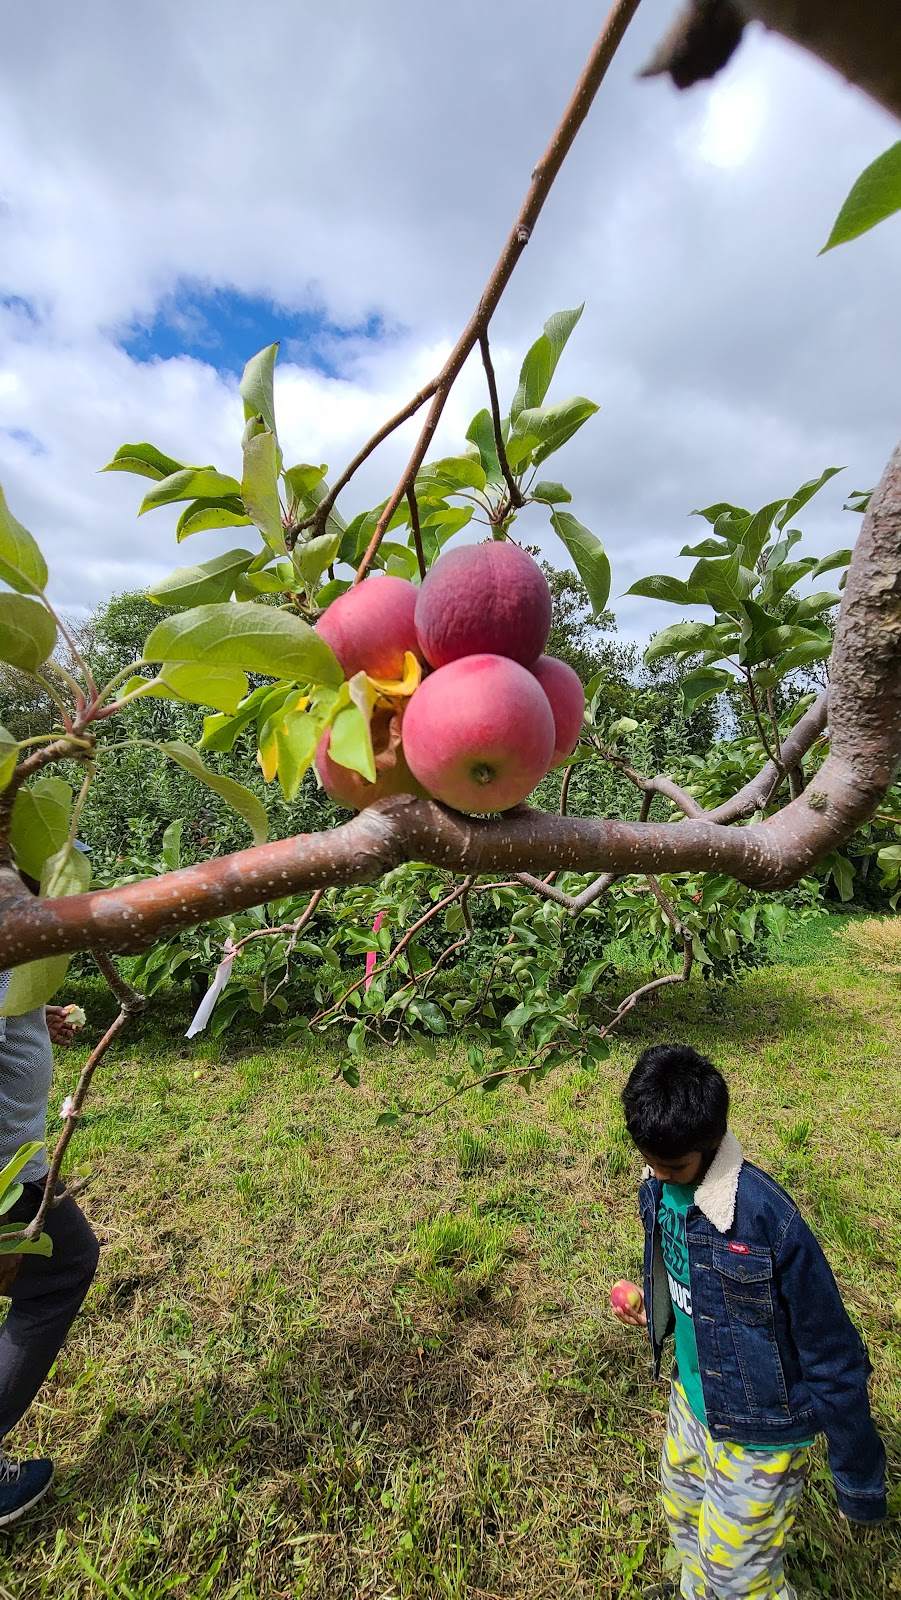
[746,1283]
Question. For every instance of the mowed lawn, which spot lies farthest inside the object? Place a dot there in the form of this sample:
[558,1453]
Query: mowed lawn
[325,1360]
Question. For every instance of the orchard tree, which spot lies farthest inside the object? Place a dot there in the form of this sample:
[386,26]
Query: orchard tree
[367,647]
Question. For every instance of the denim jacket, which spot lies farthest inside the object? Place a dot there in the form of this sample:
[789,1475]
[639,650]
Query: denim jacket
[779,1357]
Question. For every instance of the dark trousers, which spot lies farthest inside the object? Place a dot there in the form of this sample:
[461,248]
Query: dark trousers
[45,1294]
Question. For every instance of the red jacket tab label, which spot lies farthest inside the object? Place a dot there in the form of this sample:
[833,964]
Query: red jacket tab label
[740,1249]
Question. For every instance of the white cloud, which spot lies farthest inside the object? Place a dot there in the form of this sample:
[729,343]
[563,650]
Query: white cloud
[372,159]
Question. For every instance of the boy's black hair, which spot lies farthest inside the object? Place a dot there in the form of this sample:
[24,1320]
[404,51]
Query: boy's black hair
[675,1101]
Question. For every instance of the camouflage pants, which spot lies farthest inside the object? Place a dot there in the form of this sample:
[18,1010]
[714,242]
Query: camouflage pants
[729,1510]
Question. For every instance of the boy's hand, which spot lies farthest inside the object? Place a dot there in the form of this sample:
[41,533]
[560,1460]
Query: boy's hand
[627,1302]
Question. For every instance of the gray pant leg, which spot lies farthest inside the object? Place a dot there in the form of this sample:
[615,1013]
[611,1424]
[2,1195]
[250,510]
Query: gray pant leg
[46,1295]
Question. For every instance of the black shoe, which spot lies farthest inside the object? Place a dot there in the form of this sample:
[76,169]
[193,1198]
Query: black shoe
[670,1590]
[22,1485]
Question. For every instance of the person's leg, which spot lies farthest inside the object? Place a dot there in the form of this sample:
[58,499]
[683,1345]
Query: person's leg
[45,1296]
[750,1504]
[682,1471]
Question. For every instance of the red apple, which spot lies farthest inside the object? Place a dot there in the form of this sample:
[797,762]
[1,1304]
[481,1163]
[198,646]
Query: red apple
[393,776]
[624,1296]
[479,733]
[564,690]
[484,599]
[371,627]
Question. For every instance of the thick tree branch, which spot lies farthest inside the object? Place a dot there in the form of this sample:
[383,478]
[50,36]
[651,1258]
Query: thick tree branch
[543,177]
[862,41]
[865,724]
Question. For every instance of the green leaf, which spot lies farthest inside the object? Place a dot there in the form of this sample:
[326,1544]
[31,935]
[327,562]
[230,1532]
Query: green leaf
[308,488]
[40,823]
[207,583]
[259,489]
[256,387]
[777,580]
[662,587]
[842,873]
[9,755]
[233,638]
[875,196]
[757,531]
[190,483]
[550,494]
[559,424]
[481,433]
[703,685]
[707,547]
[452,472]
[722,508]
[814,604]
[428,1012]
[66,872]
[13,1193]
[315,556]
[241,800]
[21,1158]
[838,558]
[622,725]
[351,742]
[12,1246]
[541,361]
[34,984]
[724,581]
[145,461]
[171,846]
[802,655]
[27,632]
[21,564]
[589,556]
[682,637]
[201,515]
[303,480]
[805,493]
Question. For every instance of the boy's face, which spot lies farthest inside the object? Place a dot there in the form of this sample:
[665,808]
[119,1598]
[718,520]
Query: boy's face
[679,1169]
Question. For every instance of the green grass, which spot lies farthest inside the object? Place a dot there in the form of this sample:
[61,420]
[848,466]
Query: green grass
[323,1360]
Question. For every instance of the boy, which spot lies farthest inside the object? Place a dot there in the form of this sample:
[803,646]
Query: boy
[46,1291]
[766,1355]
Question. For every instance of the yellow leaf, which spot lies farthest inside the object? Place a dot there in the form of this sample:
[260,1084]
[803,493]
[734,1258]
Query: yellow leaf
[401,688]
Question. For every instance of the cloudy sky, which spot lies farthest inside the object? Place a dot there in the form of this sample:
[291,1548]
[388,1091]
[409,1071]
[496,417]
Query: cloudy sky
[183,181]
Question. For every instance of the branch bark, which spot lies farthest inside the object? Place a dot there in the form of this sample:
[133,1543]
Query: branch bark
[862,41]
[865,721]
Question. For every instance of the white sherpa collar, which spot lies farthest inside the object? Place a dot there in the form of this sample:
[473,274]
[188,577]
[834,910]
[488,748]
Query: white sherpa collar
[717,1192]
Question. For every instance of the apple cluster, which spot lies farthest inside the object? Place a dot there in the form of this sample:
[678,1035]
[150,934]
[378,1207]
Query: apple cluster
[491,714]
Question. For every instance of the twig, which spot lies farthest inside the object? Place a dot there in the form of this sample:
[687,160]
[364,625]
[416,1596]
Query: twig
[399,948]
[319,517]
[543,177]
[35,1226]
[417,529]
[130,1000]
[517,498]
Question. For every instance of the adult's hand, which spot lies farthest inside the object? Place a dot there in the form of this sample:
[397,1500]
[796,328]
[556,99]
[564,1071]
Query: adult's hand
[60,1029]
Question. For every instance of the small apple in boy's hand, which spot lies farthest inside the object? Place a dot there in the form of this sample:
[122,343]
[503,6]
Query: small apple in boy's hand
[627,1301]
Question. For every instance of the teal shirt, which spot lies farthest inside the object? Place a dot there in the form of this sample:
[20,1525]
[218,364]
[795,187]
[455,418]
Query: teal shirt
[675,1200]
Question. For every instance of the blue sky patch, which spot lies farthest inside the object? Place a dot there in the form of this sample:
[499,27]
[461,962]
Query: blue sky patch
[224,328]
[20,307]
[28,441]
